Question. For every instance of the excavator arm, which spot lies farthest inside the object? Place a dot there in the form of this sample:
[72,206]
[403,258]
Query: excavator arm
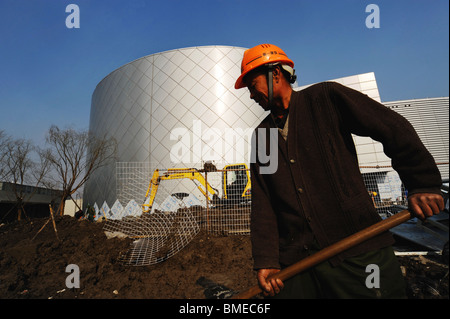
[176,173]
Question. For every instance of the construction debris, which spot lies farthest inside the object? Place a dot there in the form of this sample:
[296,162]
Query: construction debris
[432,233]
[425,278]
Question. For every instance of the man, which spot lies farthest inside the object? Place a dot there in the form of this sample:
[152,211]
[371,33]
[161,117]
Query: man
[317,195]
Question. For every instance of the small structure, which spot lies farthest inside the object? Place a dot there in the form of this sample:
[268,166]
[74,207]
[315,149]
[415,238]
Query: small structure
[35,201]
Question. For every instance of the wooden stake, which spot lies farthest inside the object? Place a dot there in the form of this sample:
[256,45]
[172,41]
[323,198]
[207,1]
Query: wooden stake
[45,224]
[52,218]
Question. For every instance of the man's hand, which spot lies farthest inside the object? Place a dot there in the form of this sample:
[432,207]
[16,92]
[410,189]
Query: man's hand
[269,287]
[425,205]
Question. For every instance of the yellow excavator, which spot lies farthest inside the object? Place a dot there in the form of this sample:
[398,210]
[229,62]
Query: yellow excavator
[235,180]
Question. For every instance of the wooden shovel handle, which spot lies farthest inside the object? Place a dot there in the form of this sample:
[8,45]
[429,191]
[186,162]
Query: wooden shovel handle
[332,250]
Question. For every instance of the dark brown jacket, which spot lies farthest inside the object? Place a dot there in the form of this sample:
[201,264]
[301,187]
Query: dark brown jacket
[317,192]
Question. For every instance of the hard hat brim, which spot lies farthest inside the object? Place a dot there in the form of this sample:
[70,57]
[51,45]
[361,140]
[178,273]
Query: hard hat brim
[287,65]
[240,81]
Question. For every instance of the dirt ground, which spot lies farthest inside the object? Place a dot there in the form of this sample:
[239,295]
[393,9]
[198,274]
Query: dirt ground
[36,268]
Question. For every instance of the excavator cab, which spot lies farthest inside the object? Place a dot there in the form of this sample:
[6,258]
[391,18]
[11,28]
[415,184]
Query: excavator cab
[236,183]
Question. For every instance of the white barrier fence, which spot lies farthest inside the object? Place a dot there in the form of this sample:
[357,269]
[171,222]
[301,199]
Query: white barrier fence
[133,209]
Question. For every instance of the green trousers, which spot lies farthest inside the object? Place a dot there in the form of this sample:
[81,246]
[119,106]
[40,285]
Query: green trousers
[352,279]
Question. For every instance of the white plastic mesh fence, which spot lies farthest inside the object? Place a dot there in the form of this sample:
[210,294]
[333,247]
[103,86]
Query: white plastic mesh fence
[132,180]
[175,204]
[157,236]
[386,190]
[221,197]
[229,212]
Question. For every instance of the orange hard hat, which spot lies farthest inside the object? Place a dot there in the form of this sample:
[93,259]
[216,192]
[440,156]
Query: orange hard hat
[260,55]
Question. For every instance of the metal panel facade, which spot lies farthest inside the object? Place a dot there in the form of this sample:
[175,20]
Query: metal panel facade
[173,109]
[430,118]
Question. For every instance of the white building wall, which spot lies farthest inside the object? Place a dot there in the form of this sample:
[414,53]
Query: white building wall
[172,109]
[370,152]
[430,118]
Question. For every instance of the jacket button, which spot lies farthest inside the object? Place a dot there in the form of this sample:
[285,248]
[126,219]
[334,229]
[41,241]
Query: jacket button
[309,219]
[292,161]
[300,190]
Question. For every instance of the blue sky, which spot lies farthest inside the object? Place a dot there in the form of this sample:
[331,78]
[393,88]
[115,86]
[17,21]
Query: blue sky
[49,72]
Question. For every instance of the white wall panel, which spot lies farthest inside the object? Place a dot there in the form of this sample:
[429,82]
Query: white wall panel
[143,102]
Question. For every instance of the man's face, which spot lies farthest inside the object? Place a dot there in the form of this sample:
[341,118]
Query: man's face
[257,85]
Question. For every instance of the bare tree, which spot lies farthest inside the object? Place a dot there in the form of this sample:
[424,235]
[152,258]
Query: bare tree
[74,155]
[23,166]
[4,140]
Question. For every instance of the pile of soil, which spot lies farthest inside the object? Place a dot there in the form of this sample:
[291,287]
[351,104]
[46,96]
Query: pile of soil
[36,268]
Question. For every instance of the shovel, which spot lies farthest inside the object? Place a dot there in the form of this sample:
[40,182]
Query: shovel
[332,250]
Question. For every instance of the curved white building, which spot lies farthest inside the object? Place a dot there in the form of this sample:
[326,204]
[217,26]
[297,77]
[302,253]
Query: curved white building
[171,109]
